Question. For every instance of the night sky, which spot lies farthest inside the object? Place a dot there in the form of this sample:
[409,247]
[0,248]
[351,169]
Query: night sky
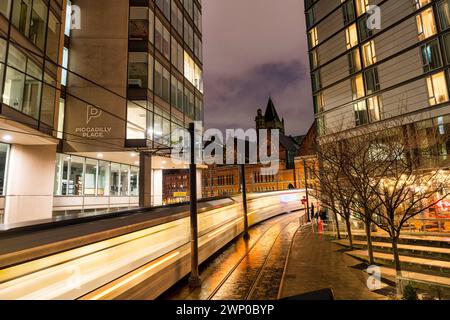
[253,49]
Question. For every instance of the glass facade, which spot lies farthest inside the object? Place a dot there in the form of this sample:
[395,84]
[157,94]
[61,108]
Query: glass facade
[79,176]
[164,68]
[28,68]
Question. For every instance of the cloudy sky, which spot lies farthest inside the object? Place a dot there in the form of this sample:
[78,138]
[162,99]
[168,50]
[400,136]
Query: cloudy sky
[253,49]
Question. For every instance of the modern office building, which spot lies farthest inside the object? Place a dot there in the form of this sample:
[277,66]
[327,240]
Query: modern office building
[98,86]
[373,61]
[135,75]
[30,52]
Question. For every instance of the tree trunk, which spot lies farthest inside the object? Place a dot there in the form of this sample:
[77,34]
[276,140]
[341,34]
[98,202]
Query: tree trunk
[337,225]
[398,267]
[369,241]
[349,231]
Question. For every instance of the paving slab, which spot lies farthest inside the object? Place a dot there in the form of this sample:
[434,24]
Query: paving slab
[316,263]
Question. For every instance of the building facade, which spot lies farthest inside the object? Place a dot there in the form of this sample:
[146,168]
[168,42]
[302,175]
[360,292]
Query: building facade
[30,56]
[91,93]
[375,63]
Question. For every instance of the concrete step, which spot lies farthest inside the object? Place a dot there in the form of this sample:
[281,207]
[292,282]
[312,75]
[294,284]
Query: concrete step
[427,266]
[427,252]
[426,241]
[437,286]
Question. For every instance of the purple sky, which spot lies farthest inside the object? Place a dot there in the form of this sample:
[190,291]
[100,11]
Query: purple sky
[253,48]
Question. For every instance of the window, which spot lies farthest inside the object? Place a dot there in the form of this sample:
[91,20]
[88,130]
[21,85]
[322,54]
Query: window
[425,24]
[315,81]
[443,8]
[420,3]
[162,81]
[4,149]
[369,56]
[312,38]
[134,181]
[136,119]
[139,23]
[364,31]
[188,35]
[76,177]
[53,31]
[310,18]
[361,117]
[318,103]
[437,88]
[361,7]
[431,56]
[177,18]
[48,100]
[372,82]
[314,59]
[446,40]
[103,178]
[115,179]
[90,177]
[351,36]
[162,39]
[354,61]
[38,23]
[124,180]
[15,80]
[348,10]
[375,108]
[65,65]
[5,6]
[358,87]
[138,70]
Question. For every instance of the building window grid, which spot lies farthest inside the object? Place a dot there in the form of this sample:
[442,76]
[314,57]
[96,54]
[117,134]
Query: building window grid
[112,188]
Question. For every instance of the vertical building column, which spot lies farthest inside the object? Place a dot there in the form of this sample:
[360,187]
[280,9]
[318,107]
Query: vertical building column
[157,183]
[145,180]
[30,182]
[199,184]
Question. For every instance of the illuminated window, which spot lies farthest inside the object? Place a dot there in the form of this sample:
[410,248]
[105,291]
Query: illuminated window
[361,7]
[421,3]
[136,119]
[369,56]
[312,38]
[351,35]
[437,89]
[354,61]
[425,24]
[358,87]
[375,108]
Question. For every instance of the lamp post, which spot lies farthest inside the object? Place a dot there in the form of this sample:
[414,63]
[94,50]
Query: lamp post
[194,279]
[306,187]
[244,199]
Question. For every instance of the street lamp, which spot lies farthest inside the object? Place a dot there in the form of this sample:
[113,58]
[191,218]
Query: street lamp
[306,187]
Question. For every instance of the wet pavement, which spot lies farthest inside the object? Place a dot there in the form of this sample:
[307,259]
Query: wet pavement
[245,270]
[316,263]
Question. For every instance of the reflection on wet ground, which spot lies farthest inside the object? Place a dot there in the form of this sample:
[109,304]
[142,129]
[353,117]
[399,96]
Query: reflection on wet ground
[245,269]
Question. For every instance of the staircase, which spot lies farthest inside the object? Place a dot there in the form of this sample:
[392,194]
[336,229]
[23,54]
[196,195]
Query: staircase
[425,260]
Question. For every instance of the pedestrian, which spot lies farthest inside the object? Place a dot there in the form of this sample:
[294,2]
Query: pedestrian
[312,212]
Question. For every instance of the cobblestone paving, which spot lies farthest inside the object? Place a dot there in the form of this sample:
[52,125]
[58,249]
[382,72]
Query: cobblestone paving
[245,269]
